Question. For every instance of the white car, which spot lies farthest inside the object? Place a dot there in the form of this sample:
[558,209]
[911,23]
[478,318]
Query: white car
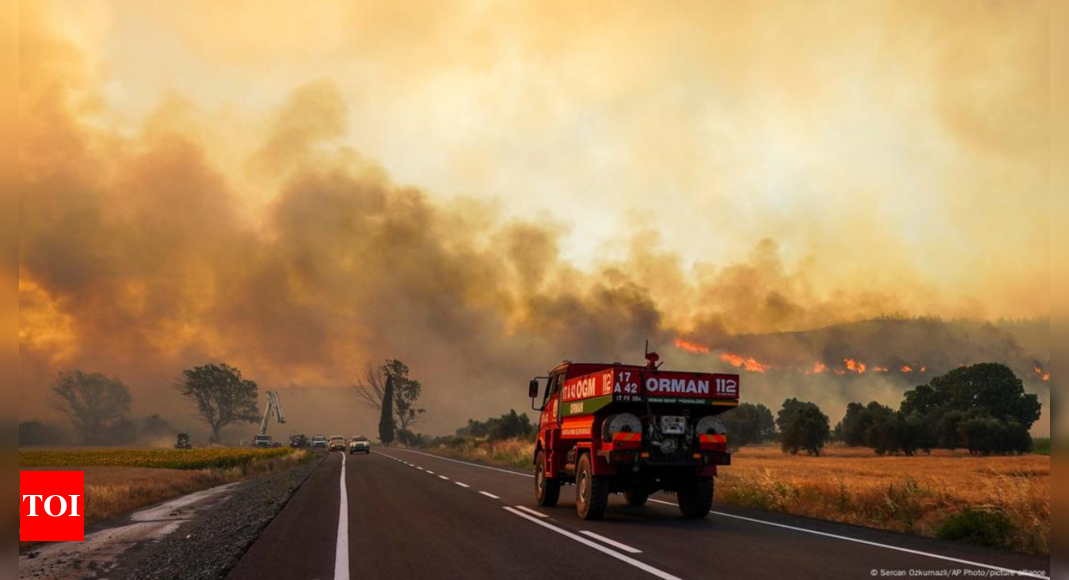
[359,444]
[337,443]
[319,442]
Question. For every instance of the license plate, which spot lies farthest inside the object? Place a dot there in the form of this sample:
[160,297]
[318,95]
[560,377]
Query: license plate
[673,425]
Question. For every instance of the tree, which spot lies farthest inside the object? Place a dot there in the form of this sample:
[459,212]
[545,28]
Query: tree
[386,418]
[749,424]
[882,433]
[803,426]
[92,402]
[981,407]
[989,387]
[406,391]
[855,425]
[222,397]
[784,414]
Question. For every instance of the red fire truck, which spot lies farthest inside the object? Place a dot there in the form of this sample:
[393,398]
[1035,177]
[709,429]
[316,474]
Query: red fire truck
[636,430]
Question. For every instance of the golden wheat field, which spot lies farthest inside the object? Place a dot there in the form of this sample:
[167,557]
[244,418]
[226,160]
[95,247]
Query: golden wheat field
[913,495]
[906,494]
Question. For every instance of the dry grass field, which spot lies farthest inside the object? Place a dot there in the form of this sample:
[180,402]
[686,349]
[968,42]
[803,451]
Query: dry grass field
[915,495]
[921,495]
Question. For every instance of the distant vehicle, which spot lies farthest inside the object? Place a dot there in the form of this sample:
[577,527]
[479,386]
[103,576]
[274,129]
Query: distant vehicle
[337,443]
[319,442]
[183,442]
[359,444]
[299,441]
[262,441]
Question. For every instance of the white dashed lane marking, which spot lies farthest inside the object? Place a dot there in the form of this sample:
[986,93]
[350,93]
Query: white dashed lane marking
[532,512]
[613,543]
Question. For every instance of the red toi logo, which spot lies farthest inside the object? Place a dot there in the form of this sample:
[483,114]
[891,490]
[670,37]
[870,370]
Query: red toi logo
[53,506]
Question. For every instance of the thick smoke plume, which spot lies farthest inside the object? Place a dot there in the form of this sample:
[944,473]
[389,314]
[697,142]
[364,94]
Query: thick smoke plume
[140,254]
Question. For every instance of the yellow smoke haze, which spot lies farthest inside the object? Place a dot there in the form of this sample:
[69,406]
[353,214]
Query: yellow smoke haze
[484,189]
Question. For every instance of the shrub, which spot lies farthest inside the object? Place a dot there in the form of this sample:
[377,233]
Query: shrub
[33,433]
[977,526]
[1041,446]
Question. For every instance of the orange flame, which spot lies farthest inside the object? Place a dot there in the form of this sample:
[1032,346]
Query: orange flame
[906,369]
[1043,376]
[691,346]
[819,368]
[854,366]
[924,369]
[750,364]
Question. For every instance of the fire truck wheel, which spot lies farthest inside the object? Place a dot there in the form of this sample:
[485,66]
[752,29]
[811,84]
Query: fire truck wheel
[547,490]
[696,498]
[636,497]
[591,492]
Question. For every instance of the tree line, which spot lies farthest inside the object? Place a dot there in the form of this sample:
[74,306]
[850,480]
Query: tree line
[97,406]
[982,408]
[511,425]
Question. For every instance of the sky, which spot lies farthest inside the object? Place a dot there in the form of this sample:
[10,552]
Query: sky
[469,185]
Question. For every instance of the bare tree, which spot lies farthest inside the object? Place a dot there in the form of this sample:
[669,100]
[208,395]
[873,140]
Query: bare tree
[371,388]
[92,402]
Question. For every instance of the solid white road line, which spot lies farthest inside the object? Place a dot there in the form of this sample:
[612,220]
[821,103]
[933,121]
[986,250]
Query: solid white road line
[626,559]
[874,544]
[612,543]
[532,512]
[489,495]
[341,553]
[469,463]
[461,484]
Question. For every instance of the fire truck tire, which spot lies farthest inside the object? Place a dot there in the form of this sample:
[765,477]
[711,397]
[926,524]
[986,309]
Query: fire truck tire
[591,492]
[635,497]
[696,498]
[547,490]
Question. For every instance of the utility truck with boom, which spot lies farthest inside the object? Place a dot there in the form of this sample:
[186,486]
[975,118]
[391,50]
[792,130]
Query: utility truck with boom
[636,430]
[274,408]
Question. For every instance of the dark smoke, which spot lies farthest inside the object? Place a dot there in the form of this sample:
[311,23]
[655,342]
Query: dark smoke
[139,257]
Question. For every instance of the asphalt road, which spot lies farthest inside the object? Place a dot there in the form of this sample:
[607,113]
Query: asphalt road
[405,514]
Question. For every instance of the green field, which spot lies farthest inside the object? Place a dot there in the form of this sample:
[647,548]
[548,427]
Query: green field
[217,458]
[1042,446]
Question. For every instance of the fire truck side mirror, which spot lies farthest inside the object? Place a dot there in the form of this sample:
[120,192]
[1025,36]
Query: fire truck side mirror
[532,389]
